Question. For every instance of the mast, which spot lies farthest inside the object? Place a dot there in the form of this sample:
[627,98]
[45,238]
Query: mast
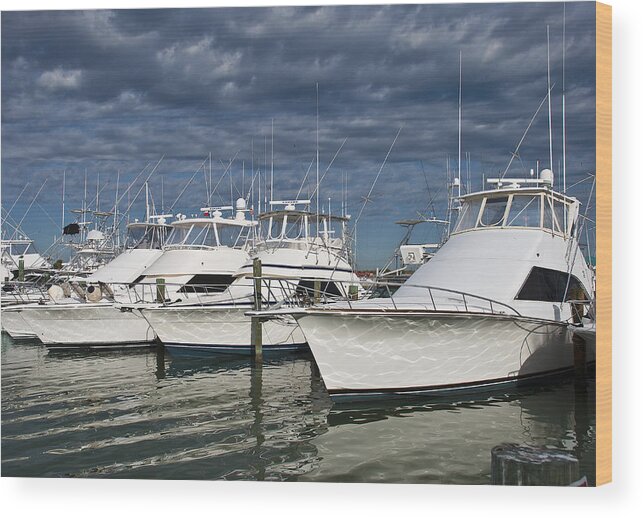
[460,128]
[317,159]
[118,237]
[147,203]
[62,219]
[84,207]
[272,156]
[210,180]
[551,157]
[564,130]
[98,192]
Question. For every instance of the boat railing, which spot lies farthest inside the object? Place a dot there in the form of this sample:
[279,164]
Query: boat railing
[458,300]
[22,292]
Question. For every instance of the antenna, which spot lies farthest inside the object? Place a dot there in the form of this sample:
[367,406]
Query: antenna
[98,192]
[460,127]
[118,178]
[551,157]
[272,156]
[62,219]
[564,130]
[317,154]
[147,203]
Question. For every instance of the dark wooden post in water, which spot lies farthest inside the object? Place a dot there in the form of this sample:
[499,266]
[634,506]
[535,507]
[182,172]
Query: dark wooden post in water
[256,326]
[316,291]
[160,290]
[521,465]
[580,357]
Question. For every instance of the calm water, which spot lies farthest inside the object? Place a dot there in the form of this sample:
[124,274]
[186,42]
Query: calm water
[143,414]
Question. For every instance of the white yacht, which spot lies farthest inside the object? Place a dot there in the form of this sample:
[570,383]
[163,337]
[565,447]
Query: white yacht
[491,306]
[298,249]
[81,312]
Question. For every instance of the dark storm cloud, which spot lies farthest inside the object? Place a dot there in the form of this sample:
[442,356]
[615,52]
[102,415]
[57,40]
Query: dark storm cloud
[113,90]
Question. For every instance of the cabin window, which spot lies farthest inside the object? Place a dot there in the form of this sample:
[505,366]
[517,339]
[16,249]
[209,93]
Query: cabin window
[204,283]
[179,235]
[494,212]
[559,211]
[524,211]
[547,285]
[468,215]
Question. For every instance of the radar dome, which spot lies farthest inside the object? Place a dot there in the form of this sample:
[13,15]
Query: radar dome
[241,204]
[547,176]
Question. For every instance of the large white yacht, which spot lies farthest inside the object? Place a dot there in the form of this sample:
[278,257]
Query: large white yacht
[492,305]
[298,249]
[81,312]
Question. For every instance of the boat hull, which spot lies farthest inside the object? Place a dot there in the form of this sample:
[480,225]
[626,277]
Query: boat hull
[220,330]
[89,325]
[429,352]
[16,326]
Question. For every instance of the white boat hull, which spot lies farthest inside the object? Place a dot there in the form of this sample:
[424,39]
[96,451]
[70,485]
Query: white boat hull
[407,352]
[220,330]
[88,325]
[16,326]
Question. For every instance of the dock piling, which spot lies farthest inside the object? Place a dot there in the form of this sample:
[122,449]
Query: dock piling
[160,289]
[256,337]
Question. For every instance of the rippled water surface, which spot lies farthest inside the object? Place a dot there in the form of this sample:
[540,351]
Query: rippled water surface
[144,414]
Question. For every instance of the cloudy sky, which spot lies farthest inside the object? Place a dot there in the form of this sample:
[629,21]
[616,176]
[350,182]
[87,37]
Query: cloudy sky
[108,91]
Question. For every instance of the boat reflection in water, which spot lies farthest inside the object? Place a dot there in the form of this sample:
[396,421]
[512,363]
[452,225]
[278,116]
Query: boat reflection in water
[145,414]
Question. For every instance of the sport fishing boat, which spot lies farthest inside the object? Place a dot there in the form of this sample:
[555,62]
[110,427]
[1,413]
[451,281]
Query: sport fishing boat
[300,250]
[492,305]
[80,311]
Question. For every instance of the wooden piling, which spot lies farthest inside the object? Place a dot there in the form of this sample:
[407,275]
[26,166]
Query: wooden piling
[256,337]
[522,465]
[316,291]
[580,357]
[160,289]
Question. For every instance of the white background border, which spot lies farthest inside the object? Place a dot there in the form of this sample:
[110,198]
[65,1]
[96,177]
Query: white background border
[97,498]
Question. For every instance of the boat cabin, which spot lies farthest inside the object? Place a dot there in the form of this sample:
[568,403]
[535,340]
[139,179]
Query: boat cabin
[535,206]
[292,227]
[147,235]
[211,230]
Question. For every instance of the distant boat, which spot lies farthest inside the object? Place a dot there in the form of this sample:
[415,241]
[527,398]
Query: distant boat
[491,306]
[80,311]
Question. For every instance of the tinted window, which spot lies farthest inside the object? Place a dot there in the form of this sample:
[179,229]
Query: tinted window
[207,284]
[549,286]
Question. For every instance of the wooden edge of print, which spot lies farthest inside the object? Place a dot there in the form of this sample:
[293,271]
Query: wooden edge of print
[604,243]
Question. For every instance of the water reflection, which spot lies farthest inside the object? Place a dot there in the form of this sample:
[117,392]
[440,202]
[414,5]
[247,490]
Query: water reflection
[145,414]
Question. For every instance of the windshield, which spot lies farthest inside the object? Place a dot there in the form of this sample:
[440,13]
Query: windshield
[494,212]
[524,212]
[205,235]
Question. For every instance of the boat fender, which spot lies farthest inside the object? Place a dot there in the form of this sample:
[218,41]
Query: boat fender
[93,294]
[55,293]
[66,287]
